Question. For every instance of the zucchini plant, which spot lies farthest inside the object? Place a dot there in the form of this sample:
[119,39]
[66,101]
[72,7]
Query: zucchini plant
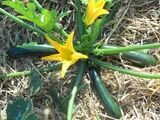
[89,24]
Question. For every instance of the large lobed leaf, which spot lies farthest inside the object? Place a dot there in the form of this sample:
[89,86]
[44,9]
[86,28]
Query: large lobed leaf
[20,109]
[45,19]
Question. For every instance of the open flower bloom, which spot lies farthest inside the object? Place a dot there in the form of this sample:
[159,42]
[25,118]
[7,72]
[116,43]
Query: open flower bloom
[67,54]
[94,10]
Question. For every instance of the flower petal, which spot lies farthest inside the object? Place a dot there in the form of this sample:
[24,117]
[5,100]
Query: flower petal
[90,7]
[100,4]
[65,66]
[76,56]
[69,42]
[67,54]
[55,44]
[97,14]
[52,57]
[94,10]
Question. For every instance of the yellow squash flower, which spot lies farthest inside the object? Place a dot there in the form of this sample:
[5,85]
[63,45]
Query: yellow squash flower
[67,54]
[94,10]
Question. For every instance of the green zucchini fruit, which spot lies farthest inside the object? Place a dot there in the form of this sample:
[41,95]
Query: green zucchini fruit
[31,49]
[110,105]
[137,57]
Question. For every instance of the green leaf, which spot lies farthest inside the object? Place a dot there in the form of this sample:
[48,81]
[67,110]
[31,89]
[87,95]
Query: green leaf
[36,83]
[24,45]
[19,109]
[45,19]
[95,30]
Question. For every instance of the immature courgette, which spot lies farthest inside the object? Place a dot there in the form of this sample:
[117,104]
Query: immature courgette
[112,107]
[31,49]
[136,57]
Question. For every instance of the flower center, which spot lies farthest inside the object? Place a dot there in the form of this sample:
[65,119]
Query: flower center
[67,54]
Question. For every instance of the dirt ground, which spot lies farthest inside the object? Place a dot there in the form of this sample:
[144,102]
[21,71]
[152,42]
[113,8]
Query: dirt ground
[136,22]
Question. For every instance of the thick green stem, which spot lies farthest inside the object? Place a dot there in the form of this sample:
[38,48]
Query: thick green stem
[61,31]
[38,5]
[29,72]
[19,21]
[112,51]
[74,90]
[125,71]
[79,21]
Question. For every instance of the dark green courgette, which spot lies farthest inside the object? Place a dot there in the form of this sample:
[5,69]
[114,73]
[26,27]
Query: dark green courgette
[112,107]
[31,49]
[137,57]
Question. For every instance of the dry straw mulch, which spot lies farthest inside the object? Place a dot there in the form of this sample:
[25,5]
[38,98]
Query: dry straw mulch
[136,22]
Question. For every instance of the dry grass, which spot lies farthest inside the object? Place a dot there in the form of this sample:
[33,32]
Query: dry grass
[137,22]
